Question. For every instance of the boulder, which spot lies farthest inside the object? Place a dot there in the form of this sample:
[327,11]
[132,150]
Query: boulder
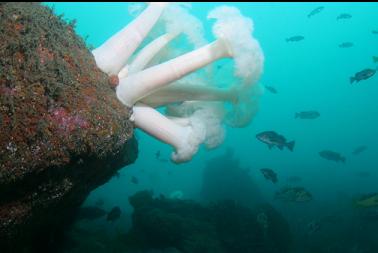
[63,131]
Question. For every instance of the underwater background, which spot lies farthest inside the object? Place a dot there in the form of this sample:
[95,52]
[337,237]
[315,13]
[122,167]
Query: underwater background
[312,74]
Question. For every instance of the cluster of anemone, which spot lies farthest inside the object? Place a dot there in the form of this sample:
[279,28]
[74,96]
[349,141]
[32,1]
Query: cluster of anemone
[196,107]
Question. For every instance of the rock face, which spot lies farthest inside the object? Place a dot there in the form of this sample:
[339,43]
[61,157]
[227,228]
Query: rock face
[222,227]
[237,182]
[62,130]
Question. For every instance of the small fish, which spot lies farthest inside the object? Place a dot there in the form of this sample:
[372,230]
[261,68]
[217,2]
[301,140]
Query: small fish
[272,139]
[269,175]
[313,226]
[271,89]
[346,45]
[363,75]
[114,214]
[315,11]
[332,156]
[134,180]
[295,38]
[375,59]
[359,150]
[158,157]
[367,200]
[157,154]
[344,16]
[307,115]
[374,32]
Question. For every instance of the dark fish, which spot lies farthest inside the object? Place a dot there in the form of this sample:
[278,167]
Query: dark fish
[374,32]
[134,180]
[313,226]
[272,139]
[367,200]
[271,89]
[114,214]
[346,45]
[90,213]
[359,150]
[375,59]
[315,11]
[158,157]
[307,115]
[269,175]
[294,179]
[363,75]
[157,154]
[344,16]
[295,38]
[332,156]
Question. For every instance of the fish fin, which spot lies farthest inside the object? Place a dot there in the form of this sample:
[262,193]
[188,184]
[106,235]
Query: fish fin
[270,146]
[352,79]
[290,145]
[280,147]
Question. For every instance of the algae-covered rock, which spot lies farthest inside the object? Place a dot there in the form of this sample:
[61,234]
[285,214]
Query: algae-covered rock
[62,130]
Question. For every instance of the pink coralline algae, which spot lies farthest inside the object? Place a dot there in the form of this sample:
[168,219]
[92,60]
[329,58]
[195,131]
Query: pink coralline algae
[7,91]
[68,122]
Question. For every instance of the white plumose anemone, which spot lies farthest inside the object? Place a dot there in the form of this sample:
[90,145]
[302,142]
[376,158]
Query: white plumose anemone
[199,117]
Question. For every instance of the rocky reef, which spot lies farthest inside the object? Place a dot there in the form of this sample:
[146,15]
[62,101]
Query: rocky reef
[63,131]
[223,227]
[236,181]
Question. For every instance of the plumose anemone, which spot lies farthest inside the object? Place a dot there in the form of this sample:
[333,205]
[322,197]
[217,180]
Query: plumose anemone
[196,106]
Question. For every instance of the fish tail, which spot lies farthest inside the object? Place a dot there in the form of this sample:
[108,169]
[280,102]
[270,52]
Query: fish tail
[343,159]
[296,115]
[375,59]
[288,39]
[352,79]
[290,145]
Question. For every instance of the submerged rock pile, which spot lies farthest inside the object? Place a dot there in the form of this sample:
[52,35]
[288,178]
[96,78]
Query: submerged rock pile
[223,227]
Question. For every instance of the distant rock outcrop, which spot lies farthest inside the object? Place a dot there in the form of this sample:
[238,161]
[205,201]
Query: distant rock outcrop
[224,178]
[222,227]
